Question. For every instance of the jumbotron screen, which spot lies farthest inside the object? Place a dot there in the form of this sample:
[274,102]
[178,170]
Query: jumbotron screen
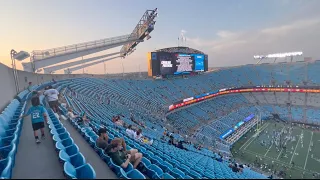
[165,63]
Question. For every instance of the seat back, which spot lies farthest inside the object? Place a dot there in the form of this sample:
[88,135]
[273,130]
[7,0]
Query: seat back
[156,169]
[146,162]
[6,167]
[188,177]
[123,174]
[177,172]
[194,174]
[135,174]
[167,176]
[73,149]
[165,166]
[86,172]
[69,170]
[78,160]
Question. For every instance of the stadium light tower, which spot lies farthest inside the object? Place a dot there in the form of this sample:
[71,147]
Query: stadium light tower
[20,56]
[277,55]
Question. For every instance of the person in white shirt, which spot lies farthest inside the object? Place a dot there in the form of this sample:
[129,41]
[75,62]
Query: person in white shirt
[138,135]
[71,115]
[130,132]
[52,97]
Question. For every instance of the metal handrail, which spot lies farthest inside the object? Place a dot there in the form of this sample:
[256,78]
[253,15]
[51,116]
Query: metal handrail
[42,54]
[140,29]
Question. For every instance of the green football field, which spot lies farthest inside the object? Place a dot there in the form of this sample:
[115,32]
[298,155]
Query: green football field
[304,152]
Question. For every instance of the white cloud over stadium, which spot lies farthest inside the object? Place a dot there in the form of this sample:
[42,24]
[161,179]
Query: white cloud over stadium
[235,48]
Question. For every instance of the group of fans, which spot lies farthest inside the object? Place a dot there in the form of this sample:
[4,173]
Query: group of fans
[117,150]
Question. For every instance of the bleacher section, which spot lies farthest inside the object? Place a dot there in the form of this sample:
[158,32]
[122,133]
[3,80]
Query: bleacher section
[148,100]
[161,160]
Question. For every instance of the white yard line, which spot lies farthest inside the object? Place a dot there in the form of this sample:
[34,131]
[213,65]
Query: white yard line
[268,150]
[272,144]
[252,137]
[280,162]
[305,164]
[295,148]
[256,136]
[250,142]
[281,148]
[246,142]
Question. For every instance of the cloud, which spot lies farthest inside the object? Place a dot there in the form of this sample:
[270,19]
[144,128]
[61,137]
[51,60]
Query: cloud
[236,48]
[226,34]
[183,32]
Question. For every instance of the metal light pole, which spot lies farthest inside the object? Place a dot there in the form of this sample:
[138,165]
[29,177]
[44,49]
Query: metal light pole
[12,52]
[17,56]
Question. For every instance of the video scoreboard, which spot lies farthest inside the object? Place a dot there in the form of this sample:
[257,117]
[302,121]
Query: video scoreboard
[168,63]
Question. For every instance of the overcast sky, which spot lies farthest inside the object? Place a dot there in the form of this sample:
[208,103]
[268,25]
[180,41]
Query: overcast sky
[230,32]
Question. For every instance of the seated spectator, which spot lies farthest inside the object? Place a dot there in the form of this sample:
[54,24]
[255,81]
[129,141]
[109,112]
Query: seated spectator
[138,135]
[103,140]
[121,157]
[147,140]
[114,119]
[171,141]
[130,132]
[219,159]
[70,114]
[117,121]
[83,119]
[235,167]
[180,145]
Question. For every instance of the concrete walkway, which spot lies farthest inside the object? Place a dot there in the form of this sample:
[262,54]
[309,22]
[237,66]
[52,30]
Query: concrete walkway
[36,161]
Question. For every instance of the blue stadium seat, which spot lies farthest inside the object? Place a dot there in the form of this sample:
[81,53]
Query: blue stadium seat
[76,160]
[177,173]
[154,171]
[135,174]
[66,142]
[61,137]
[70,150]
[194,174]
[165,166]
[82,172]
[167,176]
[123,174]
[6,168]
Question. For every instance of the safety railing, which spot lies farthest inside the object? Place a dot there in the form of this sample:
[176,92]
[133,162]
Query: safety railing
[43,54]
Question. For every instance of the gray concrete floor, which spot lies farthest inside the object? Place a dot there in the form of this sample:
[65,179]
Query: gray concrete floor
[35,161]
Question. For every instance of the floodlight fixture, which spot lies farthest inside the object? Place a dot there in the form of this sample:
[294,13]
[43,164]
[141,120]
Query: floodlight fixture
[20,56]
[17,56]
[278,55]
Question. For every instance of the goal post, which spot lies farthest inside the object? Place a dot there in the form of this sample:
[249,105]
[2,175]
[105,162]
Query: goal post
[259,122]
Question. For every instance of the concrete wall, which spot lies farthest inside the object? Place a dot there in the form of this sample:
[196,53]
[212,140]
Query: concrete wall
[7,87]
